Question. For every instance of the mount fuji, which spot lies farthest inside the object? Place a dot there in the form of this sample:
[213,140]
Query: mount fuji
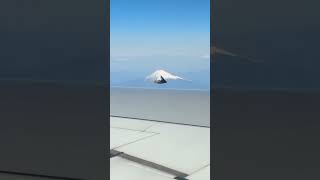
[162,76]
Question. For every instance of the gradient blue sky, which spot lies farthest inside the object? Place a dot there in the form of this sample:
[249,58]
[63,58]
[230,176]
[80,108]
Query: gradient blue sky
[159,28]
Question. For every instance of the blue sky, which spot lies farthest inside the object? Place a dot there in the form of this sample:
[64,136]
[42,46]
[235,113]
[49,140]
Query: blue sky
[159,28]
[147,35]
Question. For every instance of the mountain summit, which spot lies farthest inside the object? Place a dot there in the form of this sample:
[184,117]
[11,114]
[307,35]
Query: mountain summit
[162,76]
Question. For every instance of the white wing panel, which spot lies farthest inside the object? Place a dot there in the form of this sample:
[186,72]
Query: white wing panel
[122,169]
[124,123]
[177,106]
[179,147]
[120,137]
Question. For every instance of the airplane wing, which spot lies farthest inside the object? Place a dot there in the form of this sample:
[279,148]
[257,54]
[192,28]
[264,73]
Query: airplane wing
[159,138]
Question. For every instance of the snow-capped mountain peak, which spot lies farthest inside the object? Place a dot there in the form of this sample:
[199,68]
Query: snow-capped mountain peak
[162,76]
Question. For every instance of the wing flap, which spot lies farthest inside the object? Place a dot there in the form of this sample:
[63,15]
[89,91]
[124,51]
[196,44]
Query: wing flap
[177,148]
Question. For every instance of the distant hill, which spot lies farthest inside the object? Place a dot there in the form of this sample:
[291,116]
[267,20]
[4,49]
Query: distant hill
[177,84]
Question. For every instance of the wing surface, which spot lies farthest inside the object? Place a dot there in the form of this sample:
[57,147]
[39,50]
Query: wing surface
[158,148]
